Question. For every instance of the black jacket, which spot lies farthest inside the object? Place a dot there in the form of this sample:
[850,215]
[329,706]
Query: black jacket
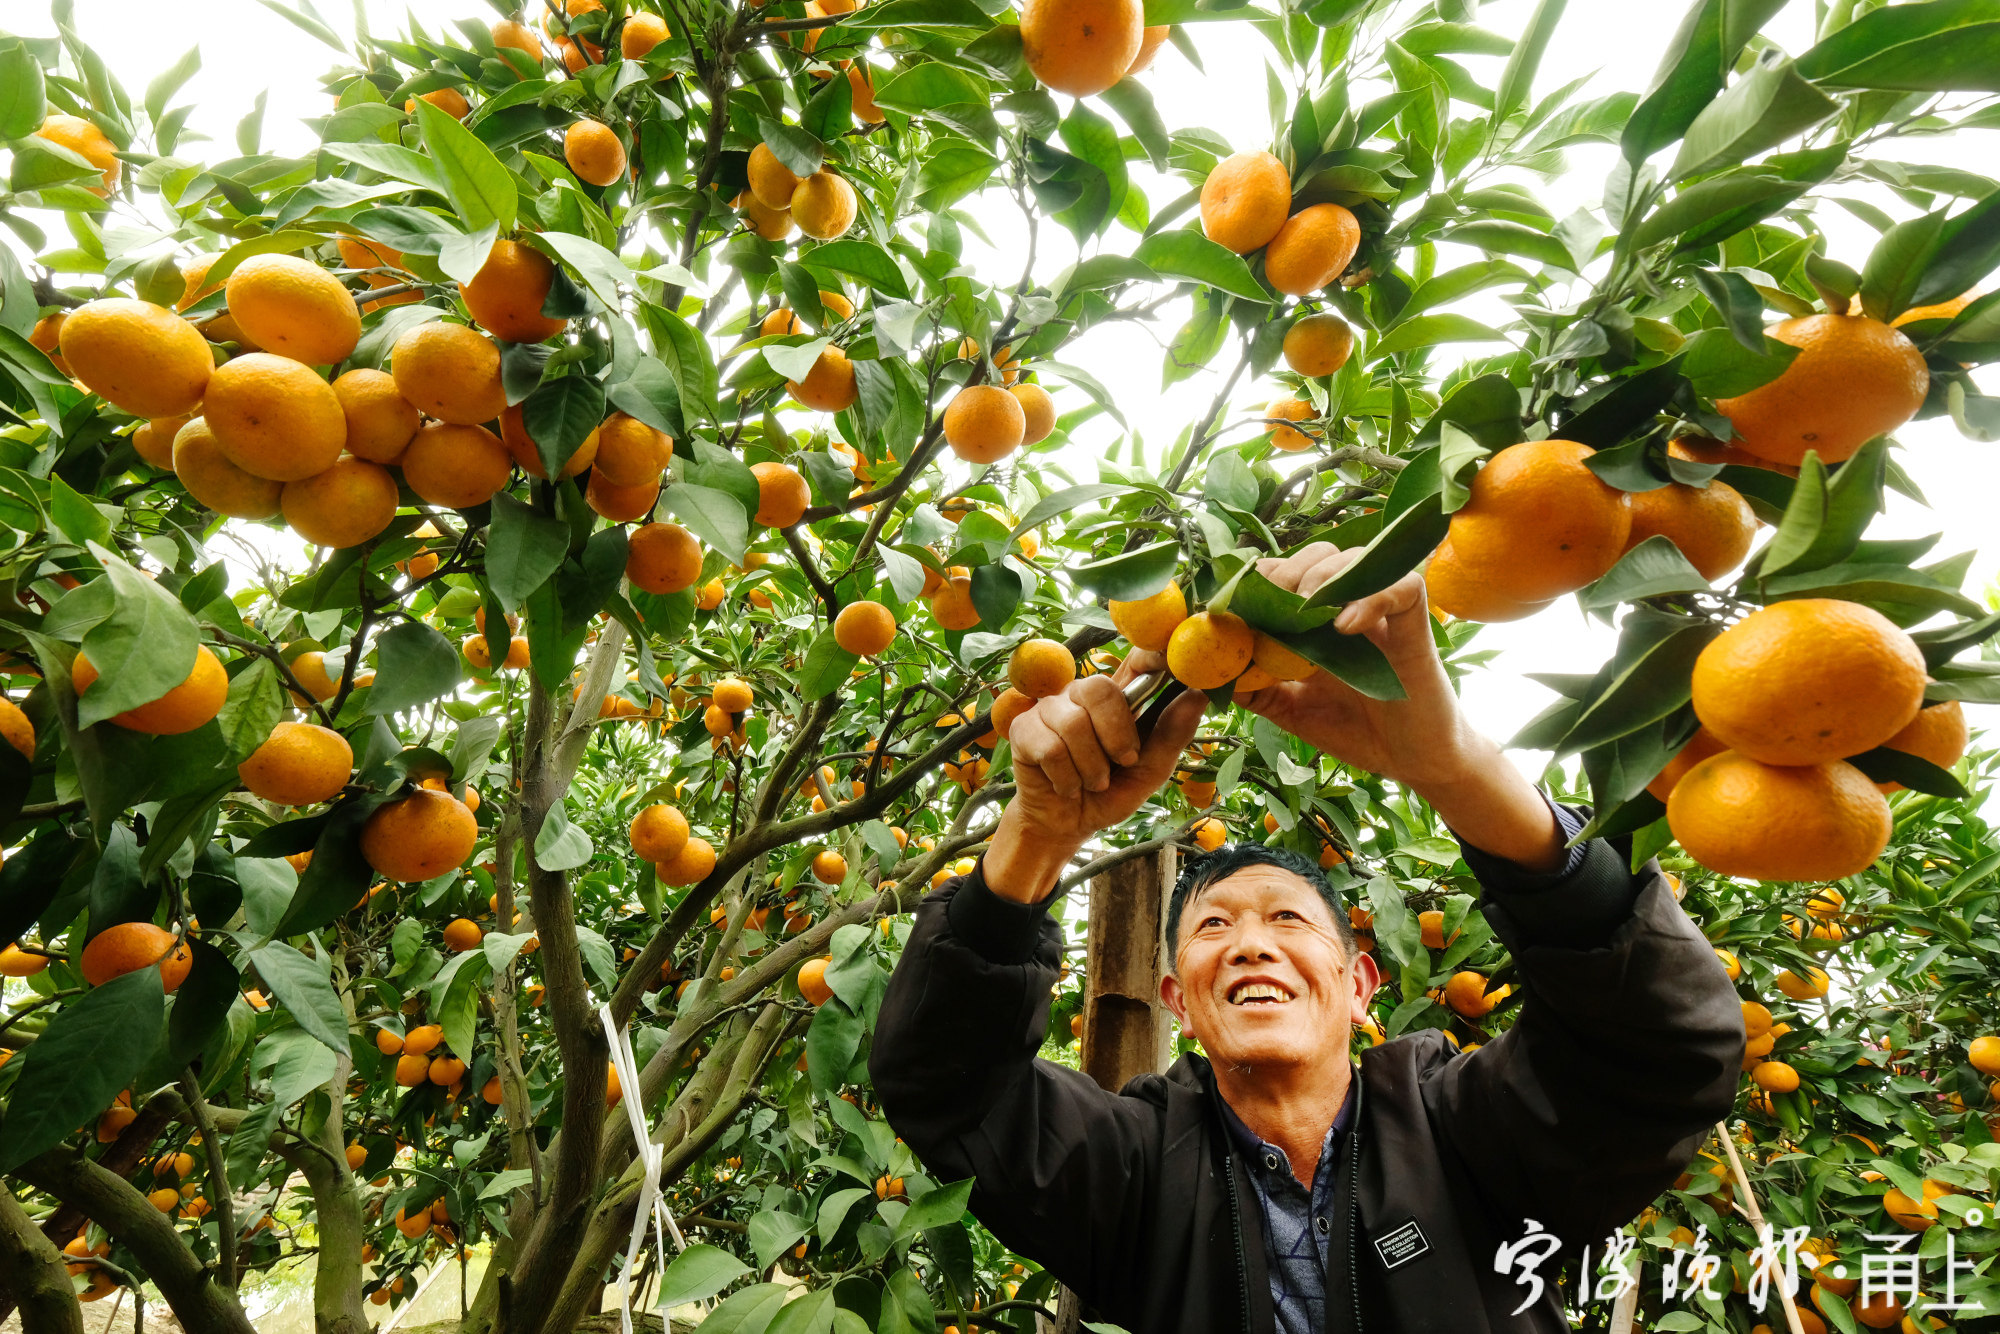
[1626,1051]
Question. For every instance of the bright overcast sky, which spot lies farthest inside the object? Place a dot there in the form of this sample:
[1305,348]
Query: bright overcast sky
[247,49]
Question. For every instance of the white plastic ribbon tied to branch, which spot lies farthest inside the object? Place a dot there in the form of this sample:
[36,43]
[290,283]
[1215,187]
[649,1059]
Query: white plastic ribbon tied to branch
[627,1067]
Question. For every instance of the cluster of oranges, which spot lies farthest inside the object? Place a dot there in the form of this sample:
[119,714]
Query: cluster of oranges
[1208,649]
[984,423]
[1785,696]
[1246,206]
[1083,47]
[823,204]
[661,835]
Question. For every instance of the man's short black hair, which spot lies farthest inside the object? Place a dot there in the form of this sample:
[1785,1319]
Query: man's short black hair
[1198,873]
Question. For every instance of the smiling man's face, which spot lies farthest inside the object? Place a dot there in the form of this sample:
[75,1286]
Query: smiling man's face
[1259,974]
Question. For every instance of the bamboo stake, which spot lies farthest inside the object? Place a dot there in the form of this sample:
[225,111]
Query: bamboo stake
[1756,1217]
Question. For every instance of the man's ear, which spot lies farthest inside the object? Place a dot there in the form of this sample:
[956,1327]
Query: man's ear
[1364,975]
[1172,997]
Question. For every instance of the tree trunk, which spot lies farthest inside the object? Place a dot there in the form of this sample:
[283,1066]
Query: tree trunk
[190,1289]
[337,1298]
[32,1274]
[1127,1031]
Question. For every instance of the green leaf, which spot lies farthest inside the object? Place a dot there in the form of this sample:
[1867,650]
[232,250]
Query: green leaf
[1190,255]
[1692,71]
[301,985]
[22,102]
[1941,46]
[480,188]
[798,150]
[1758,112]
[1352,658]
[1133,102]
[773,1233]
[169,82]
[935,1208]
[75,517]
[716,517]
[601,270]
[750,1310]
[698,1273]
[92,1049]
[561,846]
[1832,533]
[862,260]
[414,664]
[1430,331]
[1884,765]
[1647,679]
[1399,548]
[255,704]
[1720,367]
[1654,567]
[143,649]
[559,416]
[523,551]
[825,667]
[1519,78]
[1130,575]
[930,84]
[309,24]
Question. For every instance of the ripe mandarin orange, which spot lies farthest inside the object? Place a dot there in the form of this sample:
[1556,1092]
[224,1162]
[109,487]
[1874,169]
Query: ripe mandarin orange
[1318,344]
[130,946]
[782,494]
[662,558]
[1539,522]
[1712,525]
[137,356]
[951,605]
[825,205]
[344,506]
[419,836]
[1290,438]
[211,478]
[275,417]
[298,764]
[861,88]
[83,138]
[505,297]
[621,504]
[380,421]
[521,446]
[641,33]
[1701,450]
[1769,822]
[293,307]
[984,423]
[1314,247]
[1149,622]
[1038,411]
[829,386]
[629,452]
[1149,46]
[182,709]
[770,180]
[1938,734]
[864,628]
[691,867]
[47,335]
[1808,680]
[15,729]
[594,152]
[1698,748]
[659,832]
[1081,47]
[448,100]
[1474,590]
[450,371]
[456,466]
[462,934]
[1039,668]
[1855,378]
[1210,649]
[1245,201]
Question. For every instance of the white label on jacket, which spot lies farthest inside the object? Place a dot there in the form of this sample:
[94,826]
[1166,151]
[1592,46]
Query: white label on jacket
[1403,1245]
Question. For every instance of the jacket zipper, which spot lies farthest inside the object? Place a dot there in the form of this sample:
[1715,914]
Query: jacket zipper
[1354,1202]
[1236,1228]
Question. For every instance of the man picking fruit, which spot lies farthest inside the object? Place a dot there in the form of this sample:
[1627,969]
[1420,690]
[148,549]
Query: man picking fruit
[1279,1185]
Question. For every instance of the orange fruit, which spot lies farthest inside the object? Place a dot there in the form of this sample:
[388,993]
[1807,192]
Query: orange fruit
[829,386]
[462,934]
[709,596]
[166,1199]
[456,466]
[641,33]
[1756,1019]
[861,84]
[389,1044]
[1081,47]
[521,446]
[1854,379]
[782,494]
[1984,1053]
[984,423]
[1915,1215]
[771,181]
[864,628]
[691,867]
[1809,987]
[1712,525]
[380,421]
[1465,992]
[1539,523]
[1010,705]
[182,709]
[293,307]
[1210,649]
[1881,1312]
[829,867]
[1766,822]
[812,981]
[344,506]
[1701,450]
[1938,734]
[594,153]
[1318,344]
[423,1040]
[1038,412]
[1698,748]
[662,558]
[298,764]
[1430,929]
[153,440]
[513,35]
[1003,360]
[1313,248]
[130,946]
[733,695]
[824,206]
[773,224]
[620,504]
[1149,622]
[137,356]
[310,670]
[448,100]
[1474,590]
[1278,661]
[1149,46]
[419,836]
[1775,1077]
[83,138]
[505,297]
[629,452]
[951,606]
[659,832]
[1209,834]
[17,962]
[275,417]
[1039,668]
[1808,680]
[15,729]
[47,335]
[1290,438]
[784,322]
[450,371]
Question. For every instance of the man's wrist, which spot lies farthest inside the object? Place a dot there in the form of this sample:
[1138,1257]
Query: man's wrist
[1491,806]
[1025,864]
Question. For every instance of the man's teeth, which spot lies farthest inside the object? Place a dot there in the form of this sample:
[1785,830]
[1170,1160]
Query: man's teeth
[1259,991]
